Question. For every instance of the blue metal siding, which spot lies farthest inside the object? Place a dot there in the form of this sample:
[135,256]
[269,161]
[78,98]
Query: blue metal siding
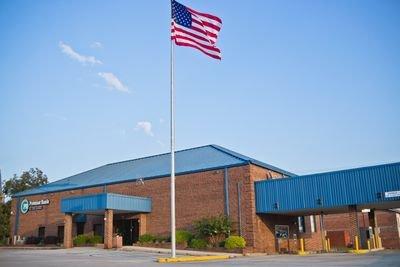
[334,189]
[100,202]
[84,203]
[128,203]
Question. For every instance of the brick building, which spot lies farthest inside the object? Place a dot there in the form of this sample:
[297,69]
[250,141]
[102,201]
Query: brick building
[132,198]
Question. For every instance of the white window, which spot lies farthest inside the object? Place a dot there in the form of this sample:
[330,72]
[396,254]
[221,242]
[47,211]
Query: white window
[312,223]
[301,223]
[398,222]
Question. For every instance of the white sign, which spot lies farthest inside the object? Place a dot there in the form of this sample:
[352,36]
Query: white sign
[39,202]
[392,194]
[27,205]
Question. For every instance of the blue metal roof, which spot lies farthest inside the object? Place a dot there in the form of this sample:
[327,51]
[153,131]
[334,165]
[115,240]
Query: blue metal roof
[187,161]
[368,187]
[100,202]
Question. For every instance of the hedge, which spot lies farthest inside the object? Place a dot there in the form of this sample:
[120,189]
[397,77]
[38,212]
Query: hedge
[147,238]
[234,242]
[198,243]
[80,240]
[33,240]
[51,240]
[183,236]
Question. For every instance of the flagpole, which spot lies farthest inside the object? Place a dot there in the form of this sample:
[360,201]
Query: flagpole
[173,245]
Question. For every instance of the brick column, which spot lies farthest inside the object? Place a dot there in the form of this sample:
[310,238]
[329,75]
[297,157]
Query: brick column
[68,230]
[142,224]
[353,220]
[108,228]
[373,223]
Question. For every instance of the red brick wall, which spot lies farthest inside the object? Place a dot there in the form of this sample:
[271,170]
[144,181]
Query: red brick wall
[198,195]
[312,240]
[389,227]
[50,216]
[386,221]
[258,232]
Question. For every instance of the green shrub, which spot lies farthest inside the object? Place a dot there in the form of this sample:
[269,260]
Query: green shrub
[32,240]
[94,239]
[183,236]
[214,229]
[80,240]
[161,239]
[198,243]
[234,242]
[51,240]
[147,238]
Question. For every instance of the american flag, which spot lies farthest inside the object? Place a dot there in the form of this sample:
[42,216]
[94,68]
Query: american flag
[194,29]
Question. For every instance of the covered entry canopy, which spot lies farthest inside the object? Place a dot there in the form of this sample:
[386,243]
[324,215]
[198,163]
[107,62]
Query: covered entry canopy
[375,187]
[97,204]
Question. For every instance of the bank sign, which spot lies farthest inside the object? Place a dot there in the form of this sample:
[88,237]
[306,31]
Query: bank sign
[27,205]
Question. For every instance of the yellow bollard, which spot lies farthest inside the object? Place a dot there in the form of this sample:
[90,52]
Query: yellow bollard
[301,251]
[329,244]
[326,245]
[356,243]
[380,242]
[374,241]
[369,244]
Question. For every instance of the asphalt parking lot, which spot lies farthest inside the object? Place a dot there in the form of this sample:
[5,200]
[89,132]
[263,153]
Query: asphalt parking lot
[98,258]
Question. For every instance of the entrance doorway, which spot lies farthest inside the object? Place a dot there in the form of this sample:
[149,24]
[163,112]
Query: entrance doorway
[128,229]
[80,228]
[60,233]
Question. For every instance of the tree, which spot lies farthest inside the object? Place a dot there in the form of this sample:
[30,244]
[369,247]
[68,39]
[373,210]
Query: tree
[5,211]
[28,179]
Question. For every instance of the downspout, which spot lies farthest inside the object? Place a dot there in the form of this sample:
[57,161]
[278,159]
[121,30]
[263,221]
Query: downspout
[16,225]
[239,194]
[226,192]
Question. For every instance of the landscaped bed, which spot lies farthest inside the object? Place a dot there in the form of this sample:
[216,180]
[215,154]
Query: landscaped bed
[209,234]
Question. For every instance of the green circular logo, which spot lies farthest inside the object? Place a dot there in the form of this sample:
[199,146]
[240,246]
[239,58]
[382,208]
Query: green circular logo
[24,206]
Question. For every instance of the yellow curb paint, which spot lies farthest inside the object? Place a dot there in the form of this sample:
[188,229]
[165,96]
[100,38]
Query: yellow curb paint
[359,251]
[192,258]
[304,253]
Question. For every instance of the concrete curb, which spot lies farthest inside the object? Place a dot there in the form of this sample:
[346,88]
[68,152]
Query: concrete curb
[192,259]
[30,248]
[179,251]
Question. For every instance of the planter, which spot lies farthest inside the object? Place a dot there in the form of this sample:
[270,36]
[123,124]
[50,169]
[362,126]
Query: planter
[117,241]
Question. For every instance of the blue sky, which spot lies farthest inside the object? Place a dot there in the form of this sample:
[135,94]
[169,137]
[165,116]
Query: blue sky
[307,86]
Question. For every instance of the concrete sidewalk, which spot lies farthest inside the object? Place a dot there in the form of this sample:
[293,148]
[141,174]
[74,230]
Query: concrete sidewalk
[179,251]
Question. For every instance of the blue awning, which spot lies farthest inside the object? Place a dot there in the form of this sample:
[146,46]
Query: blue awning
[100,202]
[374,187]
